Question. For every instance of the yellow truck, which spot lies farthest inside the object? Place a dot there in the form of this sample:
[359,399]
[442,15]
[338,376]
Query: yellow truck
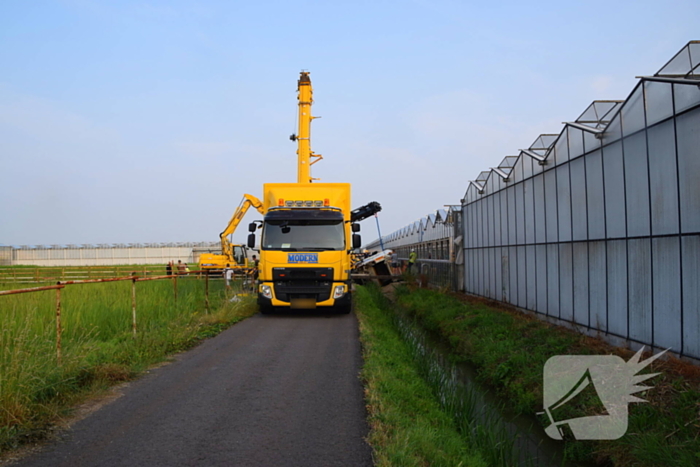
[305,246]
[308,233]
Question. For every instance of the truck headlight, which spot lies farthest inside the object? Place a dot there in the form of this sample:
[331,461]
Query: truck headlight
[266,291]
[339,291]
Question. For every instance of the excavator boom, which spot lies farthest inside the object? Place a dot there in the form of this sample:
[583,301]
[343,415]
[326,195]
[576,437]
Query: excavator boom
[228,256]
[245,204]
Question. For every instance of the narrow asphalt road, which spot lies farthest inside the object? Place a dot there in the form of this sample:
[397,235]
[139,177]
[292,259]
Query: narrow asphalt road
[279,390]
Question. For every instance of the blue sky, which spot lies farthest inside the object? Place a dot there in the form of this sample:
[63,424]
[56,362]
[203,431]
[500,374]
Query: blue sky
[133,121]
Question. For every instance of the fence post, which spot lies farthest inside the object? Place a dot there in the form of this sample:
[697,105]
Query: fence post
[175,286]
[206,290]
[58,326]
[133,305]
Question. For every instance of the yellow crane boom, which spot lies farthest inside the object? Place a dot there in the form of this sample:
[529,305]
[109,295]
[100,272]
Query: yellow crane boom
[306,157]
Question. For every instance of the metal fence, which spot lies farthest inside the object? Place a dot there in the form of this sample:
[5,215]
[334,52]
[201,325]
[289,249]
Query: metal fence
[598,226]
[202,276]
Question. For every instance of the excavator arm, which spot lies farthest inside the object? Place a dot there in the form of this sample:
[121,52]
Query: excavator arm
[246,203]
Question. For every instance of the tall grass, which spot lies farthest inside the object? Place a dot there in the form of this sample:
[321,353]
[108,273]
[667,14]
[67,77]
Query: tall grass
[98,345]
[407,425]
[509,349]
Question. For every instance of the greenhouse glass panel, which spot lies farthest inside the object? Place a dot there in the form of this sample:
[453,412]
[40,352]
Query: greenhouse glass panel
[550,199]
[691,295]
[617,287]
[491,267]
[564,202]
[520,213]
[488,221]
[469,274]
[663,180]
[685,96]
[516,175]
[479,270]
[595,196]
[498,273]
[561,148]
[639,286]
[566,282]
[597,286]
[497,219]
[575,142]
[522,277]
[637,186]
[680,64]
[538,168]
[540,223]
[659,101]
[688,138]
[494,183]
[613,132]
[512,217]
[531,278]
[541,278]
[615,211]
[513,270]
[667,292]
[526,162]
[479,224]
[553,280]
[504,217]
[529,201]
[633,112]
[468,225]
[581,290]
[590,142]
[578,199]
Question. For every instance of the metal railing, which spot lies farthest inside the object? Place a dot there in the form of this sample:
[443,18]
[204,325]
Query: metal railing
[134,278]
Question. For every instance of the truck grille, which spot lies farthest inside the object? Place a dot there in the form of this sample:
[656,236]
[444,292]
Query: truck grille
[313,283]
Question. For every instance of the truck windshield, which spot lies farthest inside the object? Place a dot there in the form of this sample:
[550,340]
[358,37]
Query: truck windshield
[303,235]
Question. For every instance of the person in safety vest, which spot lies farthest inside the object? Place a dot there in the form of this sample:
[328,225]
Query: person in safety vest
[411,260]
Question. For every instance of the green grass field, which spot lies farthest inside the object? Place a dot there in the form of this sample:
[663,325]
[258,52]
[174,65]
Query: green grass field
[98,345]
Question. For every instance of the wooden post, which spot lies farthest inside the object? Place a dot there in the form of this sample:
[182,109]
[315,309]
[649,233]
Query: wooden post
[175,285]
[206,291]
[133,306]
[58,326]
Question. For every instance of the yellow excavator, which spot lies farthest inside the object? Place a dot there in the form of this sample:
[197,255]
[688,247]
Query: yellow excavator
[234,255]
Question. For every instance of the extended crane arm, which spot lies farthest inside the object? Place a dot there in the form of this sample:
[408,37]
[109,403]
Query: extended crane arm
[246,203]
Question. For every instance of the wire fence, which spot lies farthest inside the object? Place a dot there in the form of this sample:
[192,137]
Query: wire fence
[203,279]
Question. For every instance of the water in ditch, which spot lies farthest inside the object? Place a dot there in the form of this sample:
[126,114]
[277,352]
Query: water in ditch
[506,439]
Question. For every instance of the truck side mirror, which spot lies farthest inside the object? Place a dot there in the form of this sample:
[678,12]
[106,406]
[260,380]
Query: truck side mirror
[356,241]
[355,227]
[252,227]
[251,240]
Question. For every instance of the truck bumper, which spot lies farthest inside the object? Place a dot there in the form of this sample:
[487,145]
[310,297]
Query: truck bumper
[345,301]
